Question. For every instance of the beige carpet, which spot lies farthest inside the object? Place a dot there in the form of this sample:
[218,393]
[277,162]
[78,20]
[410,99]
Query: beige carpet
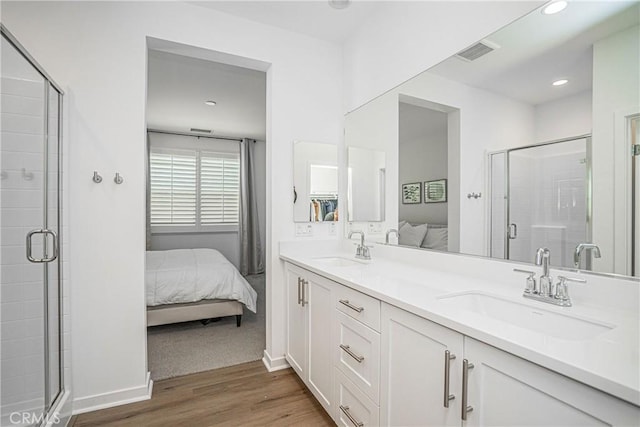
[185,348]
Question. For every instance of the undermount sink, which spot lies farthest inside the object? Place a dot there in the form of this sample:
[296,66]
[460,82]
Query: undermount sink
[338,261]
[558,325]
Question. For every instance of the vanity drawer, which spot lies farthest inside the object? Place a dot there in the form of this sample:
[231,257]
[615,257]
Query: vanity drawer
[359,306]
[358,354]
[352,406]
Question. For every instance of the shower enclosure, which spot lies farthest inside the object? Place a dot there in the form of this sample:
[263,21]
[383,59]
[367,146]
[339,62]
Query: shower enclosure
[540,197]
[30,280]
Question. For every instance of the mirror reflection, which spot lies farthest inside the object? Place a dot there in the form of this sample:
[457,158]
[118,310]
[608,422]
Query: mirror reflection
[315,182]
[366,184]
[527,136]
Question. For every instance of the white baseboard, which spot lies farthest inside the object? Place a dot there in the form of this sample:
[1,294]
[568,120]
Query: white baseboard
[274,364]
[114,398]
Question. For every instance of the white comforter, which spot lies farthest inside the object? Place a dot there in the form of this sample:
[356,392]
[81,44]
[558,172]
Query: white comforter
[191,275]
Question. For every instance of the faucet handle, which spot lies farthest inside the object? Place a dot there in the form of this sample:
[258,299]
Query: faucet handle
[531,281]
[563,279]
[562,290]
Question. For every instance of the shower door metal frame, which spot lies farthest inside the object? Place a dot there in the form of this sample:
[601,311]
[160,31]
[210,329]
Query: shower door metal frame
[49,82]
[507,189]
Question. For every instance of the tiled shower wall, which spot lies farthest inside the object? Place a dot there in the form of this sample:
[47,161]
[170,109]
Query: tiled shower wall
[21,203]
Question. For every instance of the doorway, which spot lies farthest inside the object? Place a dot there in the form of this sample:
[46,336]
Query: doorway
[206,203]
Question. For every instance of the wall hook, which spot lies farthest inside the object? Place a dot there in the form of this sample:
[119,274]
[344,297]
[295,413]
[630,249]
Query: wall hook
[474,195]
[96,177]
[118,179]
[27,176]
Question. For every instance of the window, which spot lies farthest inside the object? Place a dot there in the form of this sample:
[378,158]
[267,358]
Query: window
[193,190]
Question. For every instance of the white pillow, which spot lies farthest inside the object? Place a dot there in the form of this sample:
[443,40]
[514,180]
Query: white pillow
[436,238]
[409,235]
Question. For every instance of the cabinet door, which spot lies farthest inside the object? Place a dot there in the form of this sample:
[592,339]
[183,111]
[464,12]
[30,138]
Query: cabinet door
[412,371]
[319,306]
[507,390]
[296,322]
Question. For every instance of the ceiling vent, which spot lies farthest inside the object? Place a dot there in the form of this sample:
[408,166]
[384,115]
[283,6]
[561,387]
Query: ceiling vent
[200,130]
[477,50]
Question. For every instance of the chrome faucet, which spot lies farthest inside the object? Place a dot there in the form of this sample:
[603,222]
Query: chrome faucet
[584,246]
[544,290]
[543,256]
[362,251]
[389,231]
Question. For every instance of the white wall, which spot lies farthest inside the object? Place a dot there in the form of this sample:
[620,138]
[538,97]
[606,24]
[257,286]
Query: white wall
[405,38]
[98,50]
[563,118]
[423,156]
[616,93]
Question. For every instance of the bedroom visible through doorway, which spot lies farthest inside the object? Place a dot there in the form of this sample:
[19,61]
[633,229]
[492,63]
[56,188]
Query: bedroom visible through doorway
[206,210]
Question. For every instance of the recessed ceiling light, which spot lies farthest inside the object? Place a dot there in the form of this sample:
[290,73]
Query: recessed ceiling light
[211,103]
[554,7]
[560,82]
[339,4]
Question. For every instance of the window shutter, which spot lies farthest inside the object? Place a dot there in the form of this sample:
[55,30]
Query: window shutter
[219,188]
[173,187]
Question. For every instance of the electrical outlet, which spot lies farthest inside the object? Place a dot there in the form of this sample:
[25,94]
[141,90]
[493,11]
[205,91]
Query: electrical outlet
[304,230]
[375,228]
[332,229]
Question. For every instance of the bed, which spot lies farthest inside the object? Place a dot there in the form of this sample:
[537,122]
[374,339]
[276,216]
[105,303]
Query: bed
[194,284]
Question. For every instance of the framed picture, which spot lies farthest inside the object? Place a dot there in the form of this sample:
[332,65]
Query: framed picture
[435,191]
[411,193]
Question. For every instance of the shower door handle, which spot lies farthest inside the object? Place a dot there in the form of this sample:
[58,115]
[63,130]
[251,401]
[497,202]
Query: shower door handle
[46,232]
[513,231]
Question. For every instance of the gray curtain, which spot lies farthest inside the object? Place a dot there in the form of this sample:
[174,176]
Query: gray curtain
[148,196]
[251,251]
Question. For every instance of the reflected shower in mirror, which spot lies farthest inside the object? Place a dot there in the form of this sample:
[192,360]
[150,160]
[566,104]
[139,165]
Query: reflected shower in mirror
[524,146]
[315,182]
[366,184]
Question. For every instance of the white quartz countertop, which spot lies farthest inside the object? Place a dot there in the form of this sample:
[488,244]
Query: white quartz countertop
[609,362]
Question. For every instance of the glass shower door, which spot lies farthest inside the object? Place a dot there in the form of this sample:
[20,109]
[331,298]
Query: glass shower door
[30,355]
[547,193]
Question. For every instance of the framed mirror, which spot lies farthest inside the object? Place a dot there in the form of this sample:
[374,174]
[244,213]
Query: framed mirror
[530,134]
[315,179]
[366,185]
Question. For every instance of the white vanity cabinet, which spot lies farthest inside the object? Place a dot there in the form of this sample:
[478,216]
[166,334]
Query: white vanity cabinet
[309,333]
[502,389]
[414,373]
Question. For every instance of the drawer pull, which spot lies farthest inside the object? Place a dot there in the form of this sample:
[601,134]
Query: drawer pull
[345,410]
[299,290]
[347,350]
[351,306]
[448,357]
[466,367]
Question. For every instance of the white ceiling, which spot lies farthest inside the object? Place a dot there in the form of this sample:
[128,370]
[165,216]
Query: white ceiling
[311,17]
[179,85]
[539,49]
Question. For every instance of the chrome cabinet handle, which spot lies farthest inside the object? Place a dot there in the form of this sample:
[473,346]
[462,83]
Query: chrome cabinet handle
[351,306]
[345,410]
[513,231]
[304,292]
[448,357]
[348,350]
[44,231]
[466,367]
[299,291]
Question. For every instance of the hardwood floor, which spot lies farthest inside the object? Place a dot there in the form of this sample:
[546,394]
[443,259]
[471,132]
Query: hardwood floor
[242,395]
